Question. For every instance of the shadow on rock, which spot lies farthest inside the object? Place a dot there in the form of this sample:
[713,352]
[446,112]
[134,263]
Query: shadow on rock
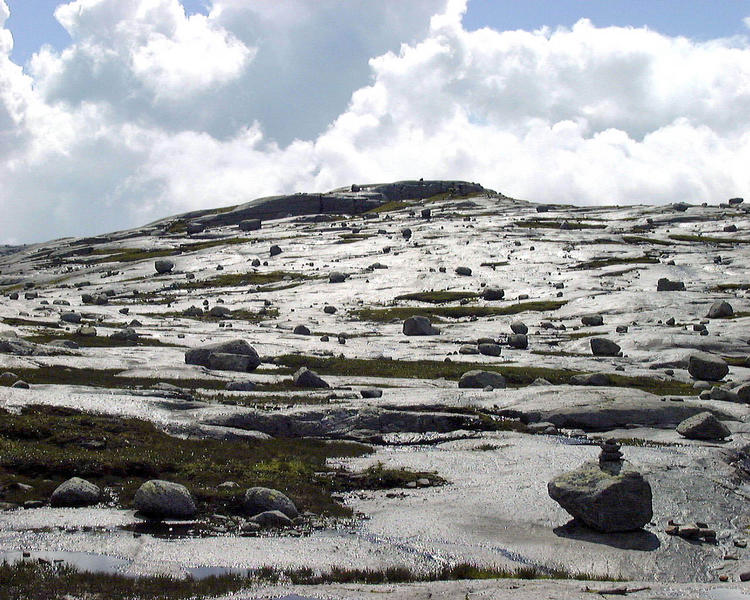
[628,540]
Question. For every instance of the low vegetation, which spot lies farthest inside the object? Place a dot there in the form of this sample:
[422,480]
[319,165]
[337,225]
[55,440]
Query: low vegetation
[454,312]
[43,446]
[437,297]
[707,239]
[99,341]
[638,239]
[136,254]
[432,369]
[614,260]
[243,279]
[550,224]
[32,579]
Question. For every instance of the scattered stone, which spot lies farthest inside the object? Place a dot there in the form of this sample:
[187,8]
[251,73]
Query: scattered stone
[720,310]
[703,426]
[337,277]
[71,317]
[591,379]
[86,331]
[272,519]
[489,349]
[418,325]
[707,367]
[275,250]
[160,499]
[604,347]
[519,341]
[371,393]
[220,312]
[250,225]
[127,334]
[329,310]
[202,355]
[306,378]
[464,271]
[75,492]
[519,327]
[163,266]
[592,320]
[665,285]
[492,294]
[301,330]
[480,379]
[261,499]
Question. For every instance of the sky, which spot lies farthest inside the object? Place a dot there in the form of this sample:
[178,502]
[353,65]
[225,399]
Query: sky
[114,113]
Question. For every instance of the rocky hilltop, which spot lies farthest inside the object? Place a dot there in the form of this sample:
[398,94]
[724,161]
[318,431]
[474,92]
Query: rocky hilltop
[410,377]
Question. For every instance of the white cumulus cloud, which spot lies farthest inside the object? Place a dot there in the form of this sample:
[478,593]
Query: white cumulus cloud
[150,112]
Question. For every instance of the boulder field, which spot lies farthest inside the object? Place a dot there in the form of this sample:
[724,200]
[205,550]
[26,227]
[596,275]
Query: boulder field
[527,386]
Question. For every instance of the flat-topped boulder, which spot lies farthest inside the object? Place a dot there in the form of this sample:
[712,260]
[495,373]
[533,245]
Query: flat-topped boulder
[221,354]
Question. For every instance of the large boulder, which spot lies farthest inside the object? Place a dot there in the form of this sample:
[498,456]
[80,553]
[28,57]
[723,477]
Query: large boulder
[720,310]
[666,285]
[261,499]
[250,225]
[493,293]
[481,379]
[703,426]
[306,378]
[419,326]
[164,499]
[519,327]
[604,347]
[75,492]
[163,266]
[202,355]
[223,361]
[592,320]
[605,498]
[519,341]
[707,367]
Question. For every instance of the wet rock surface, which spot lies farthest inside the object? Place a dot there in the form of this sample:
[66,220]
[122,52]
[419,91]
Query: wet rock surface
[540,286]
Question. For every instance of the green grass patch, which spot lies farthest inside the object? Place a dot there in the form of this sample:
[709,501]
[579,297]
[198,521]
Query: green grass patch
[707,239]
[454,312]
[432,369]
[608,262]
[243,279]
[389,207]
[31,579]
[492,265]
[20,322]
[104,378]
[99,341]
[638,239]
[136,254]
[264,314]
[730,287]
[437,297]
[550,224]
[44,446]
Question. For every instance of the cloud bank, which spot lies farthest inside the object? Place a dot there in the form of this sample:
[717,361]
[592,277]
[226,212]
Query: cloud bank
[150,112]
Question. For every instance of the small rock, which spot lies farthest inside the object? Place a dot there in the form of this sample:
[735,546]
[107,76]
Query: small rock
[371,393]
[301,330]
[493,294]
[703,426]
[275,250]
[464,271]
[519,327]
[519,341]
[592,320]
[489,349]
[665,285]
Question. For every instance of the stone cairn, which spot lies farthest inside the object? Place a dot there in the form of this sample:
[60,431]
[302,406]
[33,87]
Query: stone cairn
[610,453]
